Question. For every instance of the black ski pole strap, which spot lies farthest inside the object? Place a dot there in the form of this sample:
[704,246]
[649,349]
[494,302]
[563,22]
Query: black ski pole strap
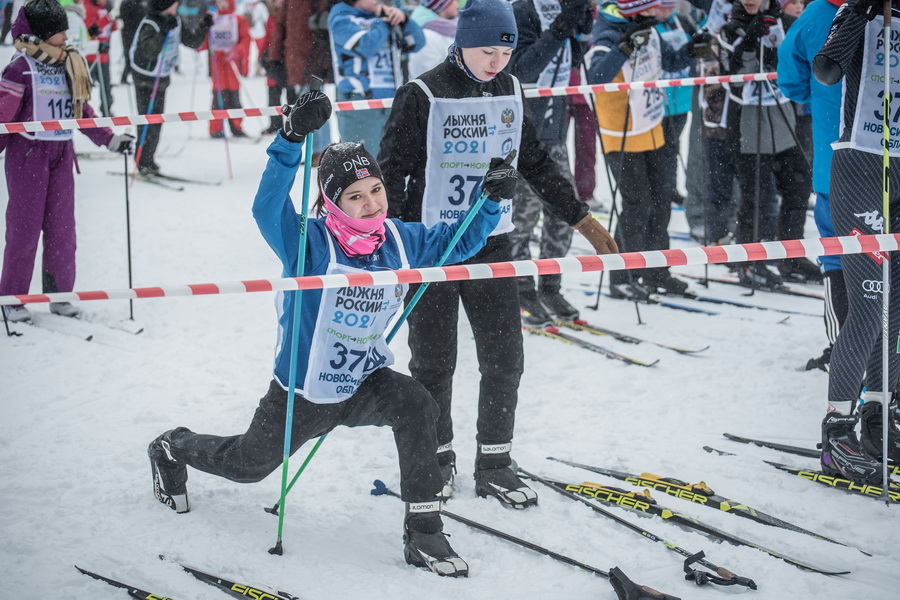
[626,589]
[722,576]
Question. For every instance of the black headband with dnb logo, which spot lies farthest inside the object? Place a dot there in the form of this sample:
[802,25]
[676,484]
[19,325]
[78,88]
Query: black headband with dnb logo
[344,164]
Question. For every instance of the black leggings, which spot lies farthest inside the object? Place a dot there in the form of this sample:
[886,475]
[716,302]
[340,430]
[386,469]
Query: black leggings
[856,208]
[384,398]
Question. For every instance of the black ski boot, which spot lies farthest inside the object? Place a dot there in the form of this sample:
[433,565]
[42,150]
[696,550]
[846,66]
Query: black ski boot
[842,454]
[630,291]
[495,476]
[555,304]
[758,275]
[870,432]
[447,461]
[169,476]
[534,315]
[800,270]
[425,544]
[670,286]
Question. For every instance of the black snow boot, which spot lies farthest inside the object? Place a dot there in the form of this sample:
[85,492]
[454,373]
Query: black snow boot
[630,291]
[870,432]
[800,270]
[447,461]
[842,454]
[670,286]
[495,476]
[555,304]
[758,275]
[169,476]
[425,544]
[534,315]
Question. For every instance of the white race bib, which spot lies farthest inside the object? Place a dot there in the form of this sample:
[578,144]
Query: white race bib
[223,35]
[51,98]
[463,135]
[557,70]
[348,344]
[867,133]
[647,106]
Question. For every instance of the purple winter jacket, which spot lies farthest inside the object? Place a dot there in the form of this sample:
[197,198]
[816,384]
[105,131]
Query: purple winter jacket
[16,97]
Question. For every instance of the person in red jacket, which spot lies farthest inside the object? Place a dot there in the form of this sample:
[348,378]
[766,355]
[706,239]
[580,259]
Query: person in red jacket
[229,54]
[100,27]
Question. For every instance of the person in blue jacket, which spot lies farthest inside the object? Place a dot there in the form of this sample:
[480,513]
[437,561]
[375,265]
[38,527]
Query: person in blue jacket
[343,374]
[795,77]
[367,41]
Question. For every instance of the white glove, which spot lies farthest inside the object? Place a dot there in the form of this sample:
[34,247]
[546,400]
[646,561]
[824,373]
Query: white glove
[123,143]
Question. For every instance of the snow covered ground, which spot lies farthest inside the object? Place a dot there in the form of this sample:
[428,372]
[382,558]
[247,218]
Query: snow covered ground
[76,418]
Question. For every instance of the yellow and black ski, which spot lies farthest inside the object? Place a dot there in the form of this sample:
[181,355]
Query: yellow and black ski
[134,592]
[556,334]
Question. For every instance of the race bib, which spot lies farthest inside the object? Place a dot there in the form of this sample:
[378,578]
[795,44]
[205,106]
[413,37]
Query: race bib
[867,132]
[463,135]
[557,70]
[223,35]
[52,100]
[647,105]
[349,343]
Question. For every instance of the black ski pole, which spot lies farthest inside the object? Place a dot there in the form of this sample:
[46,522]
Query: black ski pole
[624,587]
[128,235]
[719,576]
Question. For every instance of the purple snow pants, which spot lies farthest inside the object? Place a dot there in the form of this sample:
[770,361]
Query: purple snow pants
[41,189]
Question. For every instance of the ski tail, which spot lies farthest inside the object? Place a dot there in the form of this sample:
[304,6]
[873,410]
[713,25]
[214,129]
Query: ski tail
[134,592]
[233,588]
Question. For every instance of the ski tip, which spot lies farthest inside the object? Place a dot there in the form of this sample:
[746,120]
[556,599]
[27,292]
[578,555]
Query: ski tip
[380,488]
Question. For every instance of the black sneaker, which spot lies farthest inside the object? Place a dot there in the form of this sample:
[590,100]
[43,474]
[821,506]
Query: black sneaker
[630,291]
[557,305]
[800,270]
[670,286]
[495,476]
[169,476]
[447,461]
[533,312]
[758,275]
[842,454]
[425,544]
[217,135]
[870,432]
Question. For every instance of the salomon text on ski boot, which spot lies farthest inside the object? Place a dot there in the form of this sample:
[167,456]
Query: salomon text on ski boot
[425,544]
[495,476]
[169,476]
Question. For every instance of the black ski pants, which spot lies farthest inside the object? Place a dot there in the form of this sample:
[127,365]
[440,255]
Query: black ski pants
[492,306]
[646,208]
[792,180]
[143,90]
[385,398]
[856,206]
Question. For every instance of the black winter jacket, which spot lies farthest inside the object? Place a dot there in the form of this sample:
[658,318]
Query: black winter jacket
[404,152]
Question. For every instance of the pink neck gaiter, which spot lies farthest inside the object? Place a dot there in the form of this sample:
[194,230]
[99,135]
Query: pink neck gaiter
[356,237]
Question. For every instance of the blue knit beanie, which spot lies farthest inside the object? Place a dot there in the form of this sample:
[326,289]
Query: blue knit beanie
[486,23]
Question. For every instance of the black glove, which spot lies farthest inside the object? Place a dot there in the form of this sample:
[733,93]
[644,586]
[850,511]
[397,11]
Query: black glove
[207,21]
[123,143]
[168,22]
[103,48]
[309,113]
[700,45]
[500,181]
[637,35]
[94,30]
[867,8]
[571,17]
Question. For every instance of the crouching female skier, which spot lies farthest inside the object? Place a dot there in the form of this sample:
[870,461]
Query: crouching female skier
[343,374]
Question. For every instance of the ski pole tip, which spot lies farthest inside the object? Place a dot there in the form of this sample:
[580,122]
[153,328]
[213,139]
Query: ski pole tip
[277,549]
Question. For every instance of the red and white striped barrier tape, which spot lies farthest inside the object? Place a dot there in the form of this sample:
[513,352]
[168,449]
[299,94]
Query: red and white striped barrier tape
[577,264]
[237,113]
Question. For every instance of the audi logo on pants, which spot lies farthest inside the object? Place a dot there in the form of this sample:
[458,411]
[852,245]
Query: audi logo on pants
[871,285]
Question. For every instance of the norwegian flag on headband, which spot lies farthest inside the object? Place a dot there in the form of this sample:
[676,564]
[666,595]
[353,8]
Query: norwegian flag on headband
[362,173]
